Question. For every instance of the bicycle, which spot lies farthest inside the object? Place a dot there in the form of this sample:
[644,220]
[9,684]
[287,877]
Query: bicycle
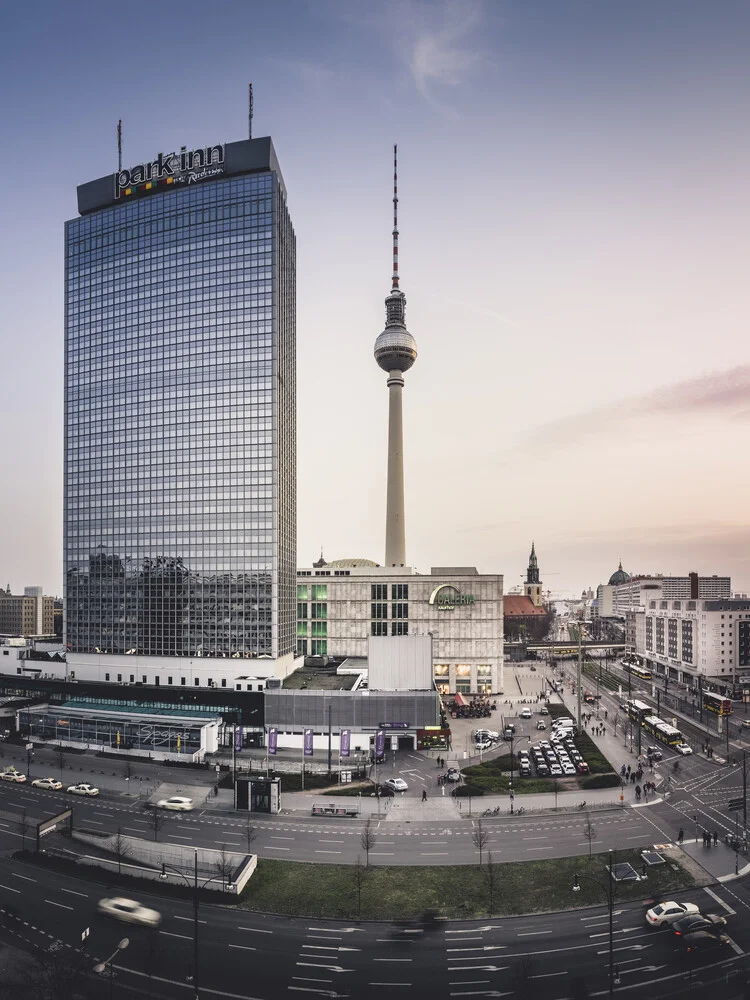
[582,805]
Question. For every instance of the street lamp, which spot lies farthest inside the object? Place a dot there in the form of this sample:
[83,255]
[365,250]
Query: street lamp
[608,888]
[196,887]
[513,740]
[101,967]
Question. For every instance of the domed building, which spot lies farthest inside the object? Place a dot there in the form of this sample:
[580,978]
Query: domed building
[619,577]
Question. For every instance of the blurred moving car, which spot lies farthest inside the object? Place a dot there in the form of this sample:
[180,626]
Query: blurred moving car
[13,776]
[683,748]
[129,911]
[666,913]
[541,724]
[709,922]
[47,783]
[397,784]
[453,774]
[82,789]
[703,941]
[177,803]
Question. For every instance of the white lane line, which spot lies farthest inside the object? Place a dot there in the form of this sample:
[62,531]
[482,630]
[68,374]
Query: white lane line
[469,982]
[720,901]
[538,838]
[433,842]
[176,836]
[389,984]
[25,877]
[309,979]
[331,841]
[329,852]
[549,848]
[244,947]
[185,937]
[61,905]
[382,854]
[132,829]
[272,848]
[586,843]
[532,933]
[190,919]
[98,822]
[282,838]
[72,892]
[433,854]
[392,960]
[548,975]
[9,888]
[256,930]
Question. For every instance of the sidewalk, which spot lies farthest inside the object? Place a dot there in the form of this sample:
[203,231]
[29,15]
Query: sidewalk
[719,861]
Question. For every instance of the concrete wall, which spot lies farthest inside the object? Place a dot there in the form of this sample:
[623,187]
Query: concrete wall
[400,663]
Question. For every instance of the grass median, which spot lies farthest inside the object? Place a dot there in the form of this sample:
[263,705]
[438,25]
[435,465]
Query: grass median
[456,891]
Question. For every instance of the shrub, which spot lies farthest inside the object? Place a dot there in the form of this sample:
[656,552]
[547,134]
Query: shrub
[467,789]
[601,781]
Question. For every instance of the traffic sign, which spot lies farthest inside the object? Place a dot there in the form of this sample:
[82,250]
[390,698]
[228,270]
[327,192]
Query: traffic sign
[735,804]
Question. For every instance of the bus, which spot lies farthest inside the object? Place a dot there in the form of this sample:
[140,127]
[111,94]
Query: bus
[662,731]
[717,703]
[636,671]
[638,710]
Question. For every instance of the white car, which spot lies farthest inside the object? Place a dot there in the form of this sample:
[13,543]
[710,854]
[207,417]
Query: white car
[14,776]
[544,710]
[82,789]
[665,913]
[483,745]
[683,748]
[129,911]
[177,803]
[47,783]
[397,784]
[525,713]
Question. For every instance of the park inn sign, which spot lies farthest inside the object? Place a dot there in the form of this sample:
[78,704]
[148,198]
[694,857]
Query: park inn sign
[171,168]
[446,597]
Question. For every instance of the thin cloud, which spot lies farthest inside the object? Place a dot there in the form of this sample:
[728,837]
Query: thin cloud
[723,393]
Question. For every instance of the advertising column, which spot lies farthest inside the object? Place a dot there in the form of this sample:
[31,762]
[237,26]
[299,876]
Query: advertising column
[307,750]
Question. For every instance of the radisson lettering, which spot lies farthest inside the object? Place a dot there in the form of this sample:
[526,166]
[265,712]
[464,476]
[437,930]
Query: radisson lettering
[446,597]
[171,168]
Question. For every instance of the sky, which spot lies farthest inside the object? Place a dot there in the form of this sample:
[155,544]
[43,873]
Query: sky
[574,197]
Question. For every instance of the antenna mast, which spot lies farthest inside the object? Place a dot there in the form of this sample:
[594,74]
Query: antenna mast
[119,146]
[395,216]
[249,110]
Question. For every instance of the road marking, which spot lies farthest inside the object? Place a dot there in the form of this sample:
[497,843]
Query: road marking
[329,852]
[309,979]
[272,848]
[389,984]
[381,854]
[282,838]
[73,892]
[330,841]
[26,877]
[391,960]
[433,842]
[185,937]
[191,919]
[434,854]
[720,901]
[548,848]
[469,982]
[98,822]
[256,930]
[176,836]
[9,888]
[532,933]
[548,975]
[61,905]
[244,947]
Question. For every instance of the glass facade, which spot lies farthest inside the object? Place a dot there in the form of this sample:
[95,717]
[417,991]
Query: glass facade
[118,733]
[180,488]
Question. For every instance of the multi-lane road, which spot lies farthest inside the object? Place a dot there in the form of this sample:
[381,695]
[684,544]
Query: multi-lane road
[245,955]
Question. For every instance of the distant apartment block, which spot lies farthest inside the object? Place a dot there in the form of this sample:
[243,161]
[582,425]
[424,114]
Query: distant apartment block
[28,614]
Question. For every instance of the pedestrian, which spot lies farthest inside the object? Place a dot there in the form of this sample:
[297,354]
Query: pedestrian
[424,794]
[606,714]
[632,777]
[638,792]
[604,731]
[628,768]
[716,838]
[680,836]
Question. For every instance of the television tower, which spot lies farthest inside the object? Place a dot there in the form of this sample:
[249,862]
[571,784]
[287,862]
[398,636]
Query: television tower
[395,352]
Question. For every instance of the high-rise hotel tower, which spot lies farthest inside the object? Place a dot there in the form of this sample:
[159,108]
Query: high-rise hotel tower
[180,465]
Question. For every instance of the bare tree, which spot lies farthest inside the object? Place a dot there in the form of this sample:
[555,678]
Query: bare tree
[589,832]
[368,838]
[360,873]
[491,877]
[60,758]
[121,848]
[616,722]
[480,837]
[225,865]
[24,827]
[157,821]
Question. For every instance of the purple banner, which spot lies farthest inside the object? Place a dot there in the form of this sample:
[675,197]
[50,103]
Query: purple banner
[237,738]
[272,738]
[346,741]
[379,743]
[308,742]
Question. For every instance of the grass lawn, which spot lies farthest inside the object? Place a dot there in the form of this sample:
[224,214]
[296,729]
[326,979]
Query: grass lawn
[390,893]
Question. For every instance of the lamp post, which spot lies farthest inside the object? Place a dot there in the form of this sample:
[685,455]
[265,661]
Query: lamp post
[513,741]
[101,967]
[29,755]
[196,888]
[608,888]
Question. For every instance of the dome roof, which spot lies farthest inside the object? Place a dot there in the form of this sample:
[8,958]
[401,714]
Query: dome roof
[619,576]
[395,349]
[350,563]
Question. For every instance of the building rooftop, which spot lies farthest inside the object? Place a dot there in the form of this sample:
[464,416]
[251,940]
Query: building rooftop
[520,606]
[319,679]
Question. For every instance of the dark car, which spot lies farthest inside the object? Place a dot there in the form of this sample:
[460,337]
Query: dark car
[709,922]
[542,770]
[654,753]
[703,941]
[384,791]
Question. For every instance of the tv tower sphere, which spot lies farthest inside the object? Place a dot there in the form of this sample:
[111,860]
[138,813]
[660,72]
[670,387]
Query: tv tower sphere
[395,348]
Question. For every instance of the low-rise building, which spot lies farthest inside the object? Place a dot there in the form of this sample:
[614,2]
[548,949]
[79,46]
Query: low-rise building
[27,614]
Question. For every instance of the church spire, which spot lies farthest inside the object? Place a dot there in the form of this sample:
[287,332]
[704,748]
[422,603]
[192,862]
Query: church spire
[532,573]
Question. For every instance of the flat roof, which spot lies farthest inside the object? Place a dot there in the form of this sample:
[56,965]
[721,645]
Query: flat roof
[85,706]
[319,679]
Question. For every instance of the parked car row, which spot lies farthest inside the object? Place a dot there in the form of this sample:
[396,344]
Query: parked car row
[553,758]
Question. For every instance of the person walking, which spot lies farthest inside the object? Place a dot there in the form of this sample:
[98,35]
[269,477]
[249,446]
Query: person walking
[680,836]
[638,792]
[424,794]
[716,839]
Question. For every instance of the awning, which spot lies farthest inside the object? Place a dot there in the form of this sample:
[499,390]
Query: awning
[460,700]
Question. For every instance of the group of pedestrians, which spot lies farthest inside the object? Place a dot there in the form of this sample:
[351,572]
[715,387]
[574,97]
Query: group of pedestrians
[709,839]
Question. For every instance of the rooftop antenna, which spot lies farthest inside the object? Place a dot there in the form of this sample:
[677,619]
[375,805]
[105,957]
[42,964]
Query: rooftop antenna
[249,110]
[119,146]
[395,216]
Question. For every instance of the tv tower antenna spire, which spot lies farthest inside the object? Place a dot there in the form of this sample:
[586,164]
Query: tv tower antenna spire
[119,146]
[249,110]
[395,217]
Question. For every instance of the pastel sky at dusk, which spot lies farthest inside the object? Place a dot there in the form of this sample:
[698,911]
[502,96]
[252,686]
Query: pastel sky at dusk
[574,252]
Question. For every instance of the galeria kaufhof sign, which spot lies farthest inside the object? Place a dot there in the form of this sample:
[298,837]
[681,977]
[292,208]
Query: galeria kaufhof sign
[169,169]
[446,597]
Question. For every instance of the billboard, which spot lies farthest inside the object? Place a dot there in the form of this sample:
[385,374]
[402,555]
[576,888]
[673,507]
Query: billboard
[273,735]
[308,742]
[346,741]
